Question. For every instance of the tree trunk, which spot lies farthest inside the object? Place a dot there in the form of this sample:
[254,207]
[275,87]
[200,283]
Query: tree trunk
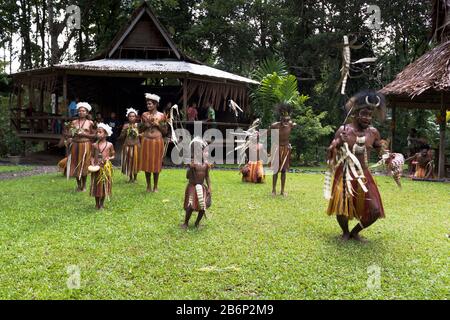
[25,30]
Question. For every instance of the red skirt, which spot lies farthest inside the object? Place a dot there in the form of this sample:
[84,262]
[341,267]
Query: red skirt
[191,200]
[255,172]
[364,206]
[151,155]
[79,159]
[99,188]
[130,160]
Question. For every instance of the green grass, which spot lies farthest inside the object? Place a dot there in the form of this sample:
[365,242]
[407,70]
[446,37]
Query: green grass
[10,168]
[252,246]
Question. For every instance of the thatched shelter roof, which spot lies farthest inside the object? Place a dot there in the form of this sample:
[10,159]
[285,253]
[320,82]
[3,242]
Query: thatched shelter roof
[429,72]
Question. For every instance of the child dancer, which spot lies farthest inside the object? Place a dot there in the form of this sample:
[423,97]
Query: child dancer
[130,150]
[101,167]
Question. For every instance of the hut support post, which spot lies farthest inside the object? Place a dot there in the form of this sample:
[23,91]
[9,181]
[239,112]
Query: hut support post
[185,84]
[19,108]
[393,125]
[64,91]
[442,124]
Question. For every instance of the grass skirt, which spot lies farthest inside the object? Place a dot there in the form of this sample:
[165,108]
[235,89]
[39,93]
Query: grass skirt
[151,155]
[79,158]
[363,206]
[130,160]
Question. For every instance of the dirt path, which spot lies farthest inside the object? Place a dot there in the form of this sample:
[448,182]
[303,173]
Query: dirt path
[35,171]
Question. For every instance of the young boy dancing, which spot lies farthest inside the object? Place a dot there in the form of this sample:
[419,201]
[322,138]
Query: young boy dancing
[282,154]
[197,196]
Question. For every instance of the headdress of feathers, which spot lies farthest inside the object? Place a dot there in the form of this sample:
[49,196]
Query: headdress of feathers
[284,109]
[245,139]
[131,110]
[198,140]
[105,127]
[367,99]
[85,105]
[154,97]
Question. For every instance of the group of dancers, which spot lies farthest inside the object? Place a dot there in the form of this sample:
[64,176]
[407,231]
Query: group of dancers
[352,195]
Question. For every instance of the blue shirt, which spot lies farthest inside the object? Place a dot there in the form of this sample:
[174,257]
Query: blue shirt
[73,109]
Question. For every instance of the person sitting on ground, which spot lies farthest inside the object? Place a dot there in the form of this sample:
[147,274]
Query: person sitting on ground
[423,162]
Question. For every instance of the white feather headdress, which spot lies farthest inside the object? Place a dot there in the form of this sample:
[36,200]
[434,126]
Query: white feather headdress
[85,105]
[131,110]
[105,127]
[151,96]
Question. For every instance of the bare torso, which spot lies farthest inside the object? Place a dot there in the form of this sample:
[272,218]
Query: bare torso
[197,173]
[130,140]
[372,140]
[153,122]
[84,128]
[284,132]
[102,151]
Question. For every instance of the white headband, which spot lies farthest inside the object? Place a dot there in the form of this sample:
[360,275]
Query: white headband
[154,97]
[105,127]
[85,105]
[131,110]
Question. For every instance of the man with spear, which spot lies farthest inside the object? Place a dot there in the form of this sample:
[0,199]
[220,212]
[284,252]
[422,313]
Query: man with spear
[354,193]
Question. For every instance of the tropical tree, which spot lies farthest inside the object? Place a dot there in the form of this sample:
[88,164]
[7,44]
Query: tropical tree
[277,86]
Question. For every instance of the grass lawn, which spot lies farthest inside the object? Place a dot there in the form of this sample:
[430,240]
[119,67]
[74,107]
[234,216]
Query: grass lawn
[10,168]
[252,246]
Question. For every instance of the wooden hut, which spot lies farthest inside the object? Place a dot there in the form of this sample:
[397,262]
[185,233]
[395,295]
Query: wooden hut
[425,83]
[141,58]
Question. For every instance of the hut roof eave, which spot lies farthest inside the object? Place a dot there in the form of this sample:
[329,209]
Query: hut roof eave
[429,73]
[146,66]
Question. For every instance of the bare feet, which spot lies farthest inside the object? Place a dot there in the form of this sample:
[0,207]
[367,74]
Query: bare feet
[155,190]
[284,194]
[358,238]
[184,226]
[274,193]
[149,190]
[345,237]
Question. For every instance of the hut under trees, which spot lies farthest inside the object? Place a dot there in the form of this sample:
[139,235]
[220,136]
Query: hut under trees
[425,83]
[141,58]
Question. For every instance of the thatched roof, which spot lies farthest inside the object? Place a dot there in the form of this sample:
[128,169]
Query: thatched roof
[428,73]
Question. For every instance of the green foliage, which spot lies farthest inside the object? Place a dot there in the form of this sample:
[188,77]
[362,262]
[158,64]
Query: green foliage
[9,143]
[277,86]
[252,246]
[308,132]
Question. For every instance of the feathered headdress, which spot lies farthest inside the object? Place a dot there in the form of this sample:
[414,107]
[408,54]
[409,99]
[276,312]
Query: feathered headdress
[199,140]
[367,99]
[246,137]
[284,109]
[154,97]
[131,110]
[85,105]
[105,127]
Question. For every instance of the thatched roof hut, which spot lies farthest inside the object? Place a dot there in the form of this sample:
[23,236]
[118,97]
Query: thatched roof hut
[141,58]
[426,76]
[425,84]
